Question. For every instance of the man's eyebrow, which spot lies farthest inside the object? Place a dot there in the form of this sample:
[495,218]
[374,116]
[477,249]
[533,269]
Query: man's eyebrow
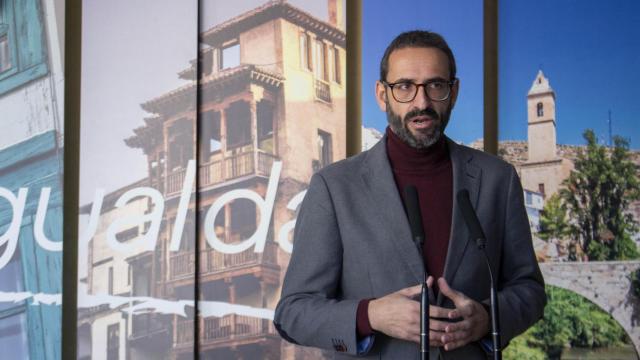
[403,80]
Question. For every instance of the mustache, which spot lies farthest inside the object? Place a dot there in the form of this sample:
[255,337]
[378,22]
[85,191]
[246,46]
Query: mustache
[422,112]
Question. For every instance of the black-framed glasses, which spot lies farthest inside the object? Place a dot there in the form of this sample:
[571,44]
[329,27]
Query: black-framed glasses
[406,91]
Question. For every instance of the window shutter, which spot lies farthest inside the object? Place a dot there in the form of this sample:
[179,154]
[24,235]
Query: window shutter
[31,48]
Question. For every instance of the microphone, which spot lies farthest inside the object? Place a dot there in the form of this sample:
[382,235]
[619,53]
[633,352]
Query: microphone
[414,214]
[473,224]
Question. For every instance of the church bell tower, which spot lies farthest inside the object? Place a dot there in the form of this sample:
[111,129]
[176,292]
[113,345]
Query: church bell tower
[541,114]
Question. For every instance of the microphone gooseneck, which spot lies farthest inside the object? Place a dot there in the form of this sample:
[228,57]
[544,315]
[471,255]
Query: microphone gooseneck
[473,224]
[412,203]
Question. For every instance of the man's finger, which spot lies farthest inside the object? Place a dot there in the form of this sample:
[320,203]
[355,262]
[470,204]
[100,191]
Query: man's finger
[455,345]
[447,291]
[439,312]
[456,336]
[430,281]
[464,325]
[438,325]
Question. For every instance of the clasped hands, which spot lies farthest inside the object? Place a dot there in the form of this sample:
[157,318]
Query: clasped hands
[398,315]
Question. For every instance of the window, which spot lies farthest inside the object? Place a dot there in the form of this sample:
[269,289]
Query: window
[13,336]
[5,57]
[336,65]
[238,117]
[529,198]
[541,189]
[540,109]
[180,143]
[210,129]
[320,60]
[324,148]
[110,280]
[22,49]
[13,319]
[230,56]
[265,119]
[128,234]
[113,342]
[305,51]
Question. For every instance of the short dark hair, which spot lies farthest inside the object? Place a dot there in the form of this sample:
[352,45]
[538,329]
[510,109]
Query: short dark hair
[420,39]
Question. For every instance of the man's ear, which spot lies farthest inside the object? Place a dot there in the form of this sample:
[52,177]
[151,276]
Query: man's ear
[381,96]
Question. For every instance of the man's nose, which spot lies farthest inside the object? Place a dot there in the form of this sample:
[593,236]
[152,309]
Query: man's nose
[422,101]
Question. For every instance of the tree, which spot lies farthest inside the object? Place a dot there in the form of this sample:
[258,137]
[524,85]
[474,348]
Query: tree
[597,195]
[569,320]
[553,220]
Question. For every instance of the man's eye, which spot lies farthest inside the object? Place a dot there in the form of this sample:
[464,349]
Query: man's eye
[404,86]
[436,85]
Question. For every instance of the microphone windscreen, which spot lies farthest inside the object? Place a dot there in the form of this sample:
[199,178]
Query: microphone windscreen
[412,203]
[470,217]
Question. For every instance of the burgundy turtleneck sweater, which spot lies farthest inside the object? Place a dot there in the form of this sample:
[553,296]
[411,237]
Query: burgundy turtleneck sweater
[430,171]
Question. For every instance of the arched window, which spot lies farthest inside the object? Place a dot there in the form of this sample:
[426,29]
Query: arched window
[540,109]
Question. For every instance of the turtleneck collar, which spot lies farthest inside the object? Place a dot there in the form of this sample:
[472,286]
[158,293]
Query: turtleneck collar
[406,158]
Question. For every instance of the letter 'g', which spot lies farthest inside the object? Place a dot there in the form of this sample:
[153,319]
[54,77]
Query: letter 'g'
[10,237]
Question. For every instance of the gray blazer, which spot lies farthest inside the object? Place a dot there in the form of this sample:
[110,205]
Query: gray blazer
[352,241]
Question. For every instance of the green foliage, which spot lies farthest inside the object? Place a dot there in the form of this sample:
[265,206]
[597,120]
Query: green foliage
[524,347]
[569,320]
[597,197]
[553,220]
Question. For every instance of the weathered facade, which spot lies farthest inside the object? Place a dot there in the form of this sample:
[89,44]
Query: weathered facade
[271,89]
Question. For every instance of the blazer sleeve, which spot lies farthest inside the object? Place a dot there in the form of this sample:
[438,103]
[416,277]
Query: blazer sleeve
[521,293]
[310,311]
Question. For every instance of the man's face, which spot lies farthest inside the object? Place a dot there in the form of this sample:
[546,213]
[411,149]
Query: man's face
[420,122]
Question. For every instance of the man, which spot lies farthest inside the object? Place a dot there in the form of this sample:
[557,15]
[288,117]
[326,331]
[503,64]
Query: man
[355,272]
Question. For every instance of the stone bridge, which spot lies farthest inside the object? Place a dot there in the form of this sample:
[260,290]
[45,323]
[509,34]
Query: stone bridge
[607,284]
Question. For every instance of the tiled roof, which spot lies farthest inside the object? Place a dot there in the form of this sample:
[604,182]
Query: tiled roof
[269,11]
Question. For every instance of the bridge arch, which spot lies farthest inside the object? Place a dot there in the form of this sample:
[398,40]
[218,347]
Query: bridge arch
[605,283]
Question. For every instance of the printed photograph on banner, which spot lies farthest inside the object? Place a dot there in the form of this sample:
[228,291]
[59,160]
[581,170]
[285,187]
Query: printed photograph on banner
[460,23]
[247,115]
[568,123]
[129,195]
[31,172]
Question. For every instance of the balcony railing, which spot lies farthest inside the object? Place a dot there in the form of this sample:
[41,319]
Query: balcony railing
[143,325]
[323,90]
[183,334]
[230,327]
[212,261]
[229,168]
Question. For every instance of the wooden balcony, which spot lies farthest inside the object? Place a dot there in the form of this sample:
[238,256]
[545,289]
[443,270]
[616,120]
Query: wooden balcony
[182,265]
[230,330]
[146,326]
[217,172]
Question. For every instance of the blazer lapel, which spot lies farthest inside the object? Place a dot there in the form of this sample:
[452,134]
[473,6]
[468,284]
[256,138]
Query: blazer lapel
[382,188]
[466,175]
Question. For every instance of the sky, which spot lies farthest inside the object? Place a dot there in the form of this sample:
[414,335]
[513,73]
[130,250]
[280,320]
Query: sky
[459,21]
[589,51]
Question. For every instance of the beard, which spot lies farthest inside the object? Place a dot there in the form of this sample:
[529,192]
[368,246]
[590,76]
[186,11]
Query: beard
[399,126]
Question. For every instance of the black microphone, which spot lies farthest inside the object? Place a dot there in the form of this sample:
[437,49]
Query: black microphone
[473,224]
[414,214]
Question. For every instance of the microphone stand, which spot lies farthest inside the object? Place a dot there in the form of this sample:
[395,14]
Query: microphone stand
[495,321]
[473,224]
[412,206]
[424,320]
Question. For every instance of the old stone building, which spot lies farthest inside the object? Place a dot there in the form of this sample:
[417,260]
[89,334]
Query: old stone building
[271,87]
